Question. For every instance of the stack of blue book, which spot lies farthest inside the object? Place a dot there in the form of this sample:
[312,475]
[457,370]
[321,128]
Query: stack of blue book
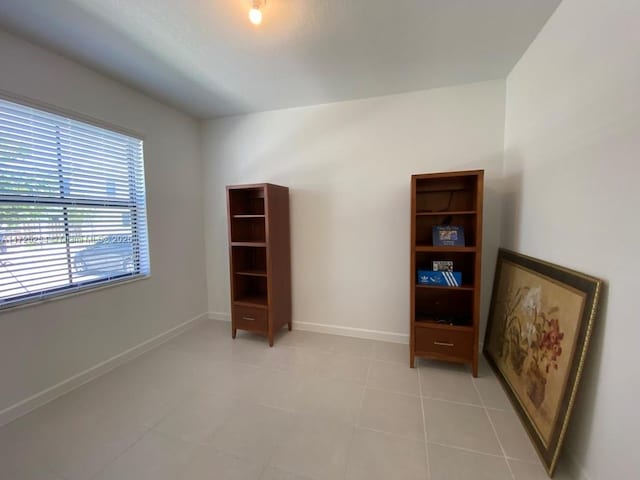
[449,279]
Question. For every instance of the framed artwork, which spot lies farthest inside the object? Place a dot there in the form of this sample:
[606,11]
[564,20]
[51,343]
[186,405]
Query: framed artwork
[538,333]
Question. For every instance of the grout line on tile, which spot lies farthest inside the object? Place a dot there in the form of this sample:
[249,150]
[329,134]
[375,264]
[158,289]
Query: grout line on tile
[496,409]
[384,432]
[230,454]
[468,450]
[113,460]
[397,435]
[395,392]
[346,463]
[388,362]
[499,409]
[381,389]
[364,392]
[357,420]
[274,407]
[495,431]
[522,460]
[424,422]
[446,400]
[150,428]
[41,463]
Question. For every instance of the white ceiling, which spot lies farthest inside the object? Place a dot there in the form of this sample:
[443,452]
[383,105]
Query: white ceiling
[204,57]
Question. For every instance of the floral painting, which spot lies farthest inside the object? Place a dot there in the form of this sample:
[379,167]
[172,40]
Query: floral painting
[535,339]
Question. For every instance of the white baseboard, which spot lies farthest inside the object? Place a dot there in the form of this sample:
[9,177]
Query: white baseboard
[221,316]
[28,404]
[352,332]
[333,330]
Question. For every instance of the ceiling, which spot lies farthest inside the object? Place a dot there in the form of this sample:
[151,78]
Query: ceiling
[205,58]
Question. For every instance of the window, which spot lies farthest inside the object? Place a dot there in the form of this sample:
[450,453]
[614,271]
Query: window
[72,205]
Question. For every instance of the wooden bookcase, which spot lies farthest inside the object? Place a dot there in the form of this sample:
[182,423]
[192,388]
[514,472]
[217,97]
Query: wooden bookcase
[445,320]
[259,258]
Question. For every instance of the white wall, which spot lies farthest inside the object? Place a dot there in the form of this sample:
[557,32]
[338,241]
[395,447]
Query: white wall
[48,343]
[572,168]
[348,167]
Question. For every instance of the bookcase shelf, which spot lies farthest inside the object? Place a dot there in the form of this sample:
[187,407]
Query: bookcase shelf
[434,325]
[252,273]
[255,301]
[430,248]
[446,213]
[248,244]
[461,288]
[445,320]
[259,258]
[457,187]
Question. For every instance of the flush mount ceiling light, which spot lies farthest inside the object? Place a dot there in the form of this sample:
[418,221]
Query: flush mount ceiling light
[255,14]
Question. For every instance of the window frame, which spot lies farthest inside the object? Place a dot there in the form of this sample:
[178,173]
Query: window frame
[93,285]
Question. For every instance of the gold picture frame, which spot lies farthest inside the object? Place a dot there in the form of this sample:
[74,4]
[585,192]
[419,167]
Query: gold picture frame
[540,323]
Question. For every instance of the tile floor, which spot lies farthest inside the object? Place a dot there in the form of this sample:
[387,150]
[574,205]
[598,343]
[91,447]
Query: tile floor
[205,407]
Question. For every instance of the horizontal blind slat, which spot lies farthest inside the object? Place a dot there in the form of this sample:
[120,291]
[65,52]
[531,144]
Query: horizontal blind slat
[72,205]
[51,120]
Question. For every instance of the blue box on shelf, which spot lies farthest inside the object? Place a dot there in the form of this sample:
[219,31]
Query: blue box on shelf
[446,279]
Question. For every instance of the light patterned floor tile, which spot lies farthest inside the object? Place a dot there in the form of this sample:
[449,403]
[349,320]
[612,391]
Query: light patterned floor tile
[394,377]
[330,398]
[391,352]
[513,436]
[207,463]
[462,426]
[313,407]
[252,432]
[392,413]
[315,448]
[453,464]
[381,456]
[448,382]
[154,457]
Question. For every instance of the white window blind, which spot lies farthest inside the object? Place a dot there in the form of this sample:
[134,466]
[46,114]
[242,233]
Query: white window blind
[72,205]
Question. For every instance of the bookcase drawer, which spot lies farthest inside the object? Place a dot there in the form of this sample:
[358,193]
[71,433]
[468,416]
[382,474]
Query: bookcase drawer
[250,318]
[444,343]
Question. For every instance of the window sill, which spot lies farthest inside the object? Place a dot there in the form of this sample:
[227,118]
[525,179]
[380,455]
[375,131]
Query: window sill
[70,293]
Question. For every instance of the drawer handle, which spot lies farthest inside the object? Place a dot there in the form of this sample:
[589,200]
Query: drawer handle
[248,319]
[443,344]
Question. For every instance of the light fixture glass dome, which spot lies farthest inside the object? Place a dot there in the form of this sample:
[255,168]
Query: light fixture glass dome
[255,15]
